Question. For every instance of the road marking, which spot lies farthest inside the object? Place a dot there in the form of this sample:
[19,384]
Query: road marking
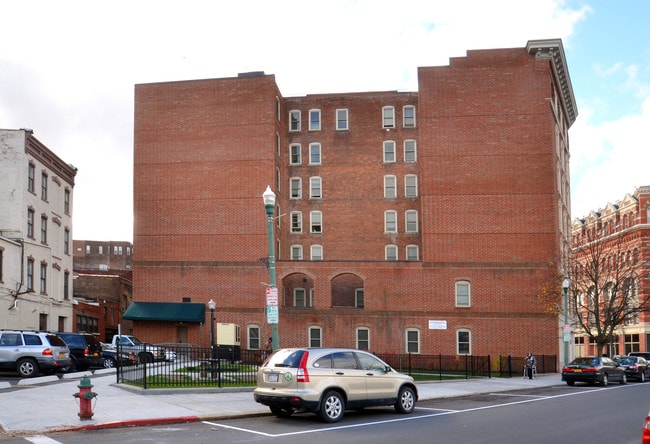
[40,439]
[513,395]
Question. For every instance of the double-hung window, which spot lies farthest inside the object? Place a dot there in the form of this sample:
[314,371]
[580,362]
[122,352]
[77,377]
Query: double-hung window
[341,119]
[296,188]
[30,274]
[411,185]
[410,151]
[314,120]
[44,229]
[295,154]
[363,339]
[44,186]
[316,252]
[463,342]
[390,221]
[316,223]
[390,187]
[296,222]
[411,217]
[463,294]
[43,286]
[413,340]
[294,120]
[30,223]
[412,253]
[315,187]
[314,154]
[389,152]
[31,172]
[391,252]
[296,252]
[66,201]
[388,117]
[409,116]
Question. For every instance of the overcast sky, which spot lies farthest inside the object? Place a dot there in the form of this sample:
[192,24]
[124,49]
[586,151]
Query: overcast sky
[68,70]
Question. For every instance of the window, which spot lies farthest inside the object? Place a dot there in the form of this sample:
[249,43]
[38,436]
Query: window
[277,108]
[341,119]
[391,252]
[87,249]
[388,117]
[101,249]
[316,252]
[277,144]
[295,157]
[296,222]
[296,188]
[44,186]
[66,285]
[254,342]
[363,339]
[463,342]
[31,173]
[296,252]
[412,340]
[411,221]
[66,241]
[30,223]
[390,221]
[300,298]
[30,274]
[314,153]
[389,152]
[411,185]
[294,120]
[390,187]
[315,187]
[316,222]
[358,298]
[412,253]
[410,151]
[66,201]
[43,229]
[462,294]
[409,116]
[315,337]
[43,287]
[314,120]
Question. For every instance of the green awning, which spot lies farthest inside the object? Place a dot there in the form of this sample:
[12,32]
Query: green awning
[165,311]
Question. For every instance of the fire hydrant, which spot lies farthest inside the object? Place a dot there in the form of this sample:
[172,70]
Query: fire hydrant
[85,397]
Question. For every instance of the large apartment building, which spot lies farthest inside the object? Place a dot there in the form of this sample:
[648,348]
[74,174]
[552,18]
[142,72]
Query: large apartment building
[611,256]
[420,222]
[36,194]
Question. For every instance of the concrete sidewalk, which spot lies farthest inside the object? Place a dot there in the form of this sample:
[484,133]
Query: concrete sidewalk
[43,405]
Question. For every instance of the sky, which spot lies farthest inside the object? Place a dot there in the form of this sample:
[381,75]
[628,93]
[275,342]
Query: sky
[68,70]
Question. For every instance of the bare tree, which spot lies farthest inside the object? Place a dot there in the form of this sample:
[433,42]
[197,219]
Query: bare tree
[604,288]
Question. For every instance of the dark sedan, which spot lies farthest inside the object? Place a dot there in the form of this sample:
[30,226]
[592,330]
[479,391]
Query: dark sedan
[126,359]
[635,367]
[592,370]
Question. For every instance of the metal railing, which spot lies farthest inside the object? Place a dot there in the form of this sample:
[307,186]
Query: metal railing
[196,367]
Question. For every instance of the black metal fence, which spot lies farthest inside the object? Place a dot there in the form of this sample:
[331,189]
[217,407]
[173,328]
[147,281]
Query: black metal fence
[191,366]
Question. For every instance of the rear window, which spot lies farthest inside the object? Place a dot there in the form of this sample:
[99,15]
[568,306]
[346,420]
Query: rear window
[56,341]
[75,341]
[286,358]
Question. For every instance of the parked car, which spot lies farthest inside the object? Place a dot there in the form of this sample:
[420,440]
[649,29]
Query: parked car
[111,359]
[635,367]
[644,355]
[85,350]
[32,352]
[593,369]
[327,381]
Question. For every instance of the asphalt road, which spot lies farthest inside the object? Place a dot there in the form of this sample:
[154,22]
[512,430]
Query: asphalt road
[558,414]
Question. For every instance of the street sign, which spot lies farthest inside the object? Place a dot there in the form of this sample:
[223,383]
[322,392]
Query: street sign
[271,296]
[272,314]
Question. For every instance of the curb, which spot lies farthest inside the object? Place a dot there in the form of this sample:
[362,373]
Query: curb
[129,423]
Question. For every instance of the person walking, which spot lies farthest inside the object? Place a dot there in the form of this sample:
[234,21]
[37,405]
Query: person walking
[531,363]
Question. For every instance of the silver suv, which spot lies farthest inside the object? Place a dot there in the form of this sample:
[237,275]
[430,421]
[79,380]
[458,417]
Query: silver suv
[327,381]
[31,352]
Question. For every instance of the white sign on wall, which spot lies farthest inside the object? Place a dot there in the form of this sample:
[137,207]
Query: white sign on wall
[437,325]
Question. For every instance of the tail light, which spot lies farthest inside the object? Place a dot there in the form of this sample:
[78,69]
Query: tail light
[47,352]
[86,352]
[303,374]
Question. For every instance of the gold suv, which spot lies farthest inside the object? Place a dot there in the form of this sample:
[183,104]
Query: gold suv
[327,381]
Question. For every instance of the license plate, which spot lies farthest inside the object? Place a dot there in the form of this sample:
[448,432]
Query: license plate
[578,370]
[273,377]
[61,355]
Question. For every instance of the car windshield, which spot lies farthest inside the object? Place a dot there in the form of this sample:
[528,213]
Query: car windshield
[286,358]
[626,360]
[585,361]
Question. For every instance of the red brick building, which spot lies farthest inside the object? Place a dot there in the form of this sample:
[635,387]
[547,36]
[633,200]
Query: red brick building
[405,221]
[617,239]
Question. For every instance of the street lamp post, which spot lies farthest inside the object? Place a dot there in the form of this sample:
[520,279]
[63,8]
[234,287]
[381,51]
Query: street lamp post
[212,306]
[566,330]
[272,310]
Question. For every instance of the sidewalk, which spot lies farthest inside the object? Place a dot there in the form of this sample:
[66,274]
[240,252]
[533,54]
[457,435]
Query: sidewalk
[42,407]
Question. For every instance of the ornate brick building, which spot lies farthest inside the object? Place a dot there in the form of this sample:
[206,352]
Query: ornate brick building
[405,221]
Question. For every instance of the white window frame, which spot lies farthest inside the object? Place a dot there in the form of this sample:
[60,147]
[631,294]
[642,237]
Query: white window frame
[315,187]
[410,151]
[314,125]
[250,337]
[315,149]
[390,186]
[412,253]
[460,296]
[316,222]
[295,120]
[405,120]
[316,252]
[296,252]
[300,297]
[342,124]
[390,221]
[390,151]
[295,154]
[362,343]
[391,252]
[298,189]
[315,335]
[278,145]
[388,117]
[411,221]
[412,340]
[411,185]
[468,352]
[296,221]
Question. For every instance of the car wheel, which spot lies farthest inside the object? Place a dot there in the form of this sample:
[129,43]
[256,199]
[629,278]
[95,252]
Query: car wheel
[280,412]
[109,363]
[624,379]
[27,368]
[642,377]
[405,400]
[331,407]
[605,380]
[572,383]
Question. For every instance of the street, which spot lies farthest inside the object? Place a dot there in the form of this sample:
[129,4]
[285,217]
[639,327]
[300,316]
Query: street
[551,414]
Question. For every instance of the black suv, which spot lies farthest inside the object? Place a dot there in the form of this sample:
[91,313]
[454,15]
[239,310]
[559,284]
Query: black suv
[85,350]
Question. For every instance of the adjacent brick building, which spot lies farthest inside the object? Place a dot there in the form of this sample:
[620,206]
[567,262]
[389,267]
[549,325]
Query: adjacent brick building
[418,221]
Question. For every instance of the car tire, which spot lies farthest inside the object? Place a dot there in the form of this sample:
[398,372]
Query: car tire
[405,401]
[109,363]
[27,368]
[605,380]
[571,383]
[332,407]
[281,412]
[624,379]
[642,377]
